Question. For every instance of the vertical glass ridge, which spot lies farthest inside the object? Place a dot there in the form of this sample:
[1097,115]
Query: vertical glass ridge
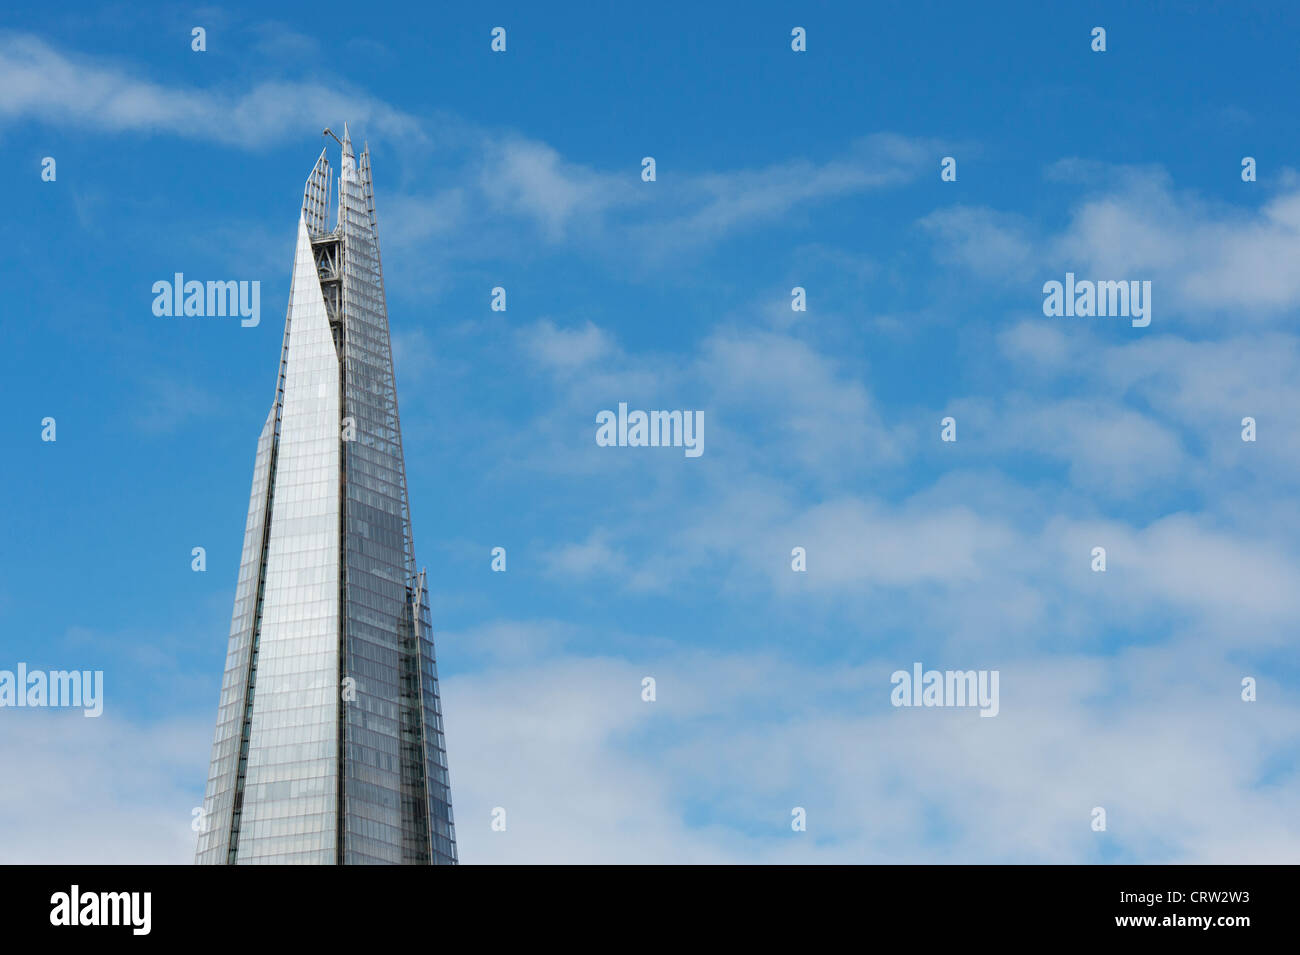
[214,836]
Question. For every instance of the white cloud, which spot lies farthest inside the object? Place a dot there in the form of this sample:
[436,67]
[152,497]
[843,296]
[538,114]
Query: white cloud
[565,349]
[1248,587]
[1036,345]
[100,791]
[782,392]
[1112,451]
[1202,389]
[41,83]
[588,772]
[1201,257]
[495,178]
[702,208]
[992,244]
[530,178]
[592,556]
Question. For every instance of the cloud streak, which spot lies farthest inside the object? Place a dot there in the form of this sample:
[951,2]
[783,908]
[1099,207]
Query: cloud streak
[41,83]
[1203,258]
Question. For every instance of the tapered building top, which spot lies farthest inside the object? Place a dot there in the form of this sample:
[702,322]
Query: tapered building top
[329,741]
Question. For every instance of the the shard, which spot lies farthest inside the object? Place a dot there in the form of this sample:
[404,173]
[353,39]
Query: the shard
[329,740]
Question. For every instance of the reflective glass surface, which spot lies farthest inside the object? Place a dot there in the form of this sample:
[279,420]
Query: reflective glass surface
[328,590]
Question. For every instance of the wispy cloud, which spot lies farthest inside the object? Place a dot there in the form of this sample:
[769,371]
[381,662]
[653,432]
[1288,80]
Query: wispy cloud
[565,349]
[709,772]
[530,179]
[495,179]
[136,785]
[1202,257]
[169,403]
[41,83]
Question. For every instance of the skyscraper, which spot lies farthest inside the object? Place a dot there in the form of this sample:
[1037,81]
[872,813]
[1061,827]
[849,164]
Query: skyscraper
[329,741]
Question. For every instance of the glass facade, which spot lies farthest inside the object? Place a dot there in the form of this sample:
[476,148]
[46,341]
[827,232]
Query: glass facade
[329,743]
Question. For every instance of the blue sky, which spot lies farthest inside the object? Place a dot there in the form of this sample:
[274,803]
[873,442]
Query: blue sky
[775,169]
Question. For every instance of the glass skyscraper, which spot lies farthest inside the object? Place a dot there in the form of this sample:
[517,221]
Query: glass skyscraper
[329,741]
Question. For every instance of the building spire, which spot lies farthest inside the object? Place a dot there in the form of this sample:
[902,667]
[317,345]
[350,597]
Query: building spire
[299,773]
[316,196]
[348,170]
